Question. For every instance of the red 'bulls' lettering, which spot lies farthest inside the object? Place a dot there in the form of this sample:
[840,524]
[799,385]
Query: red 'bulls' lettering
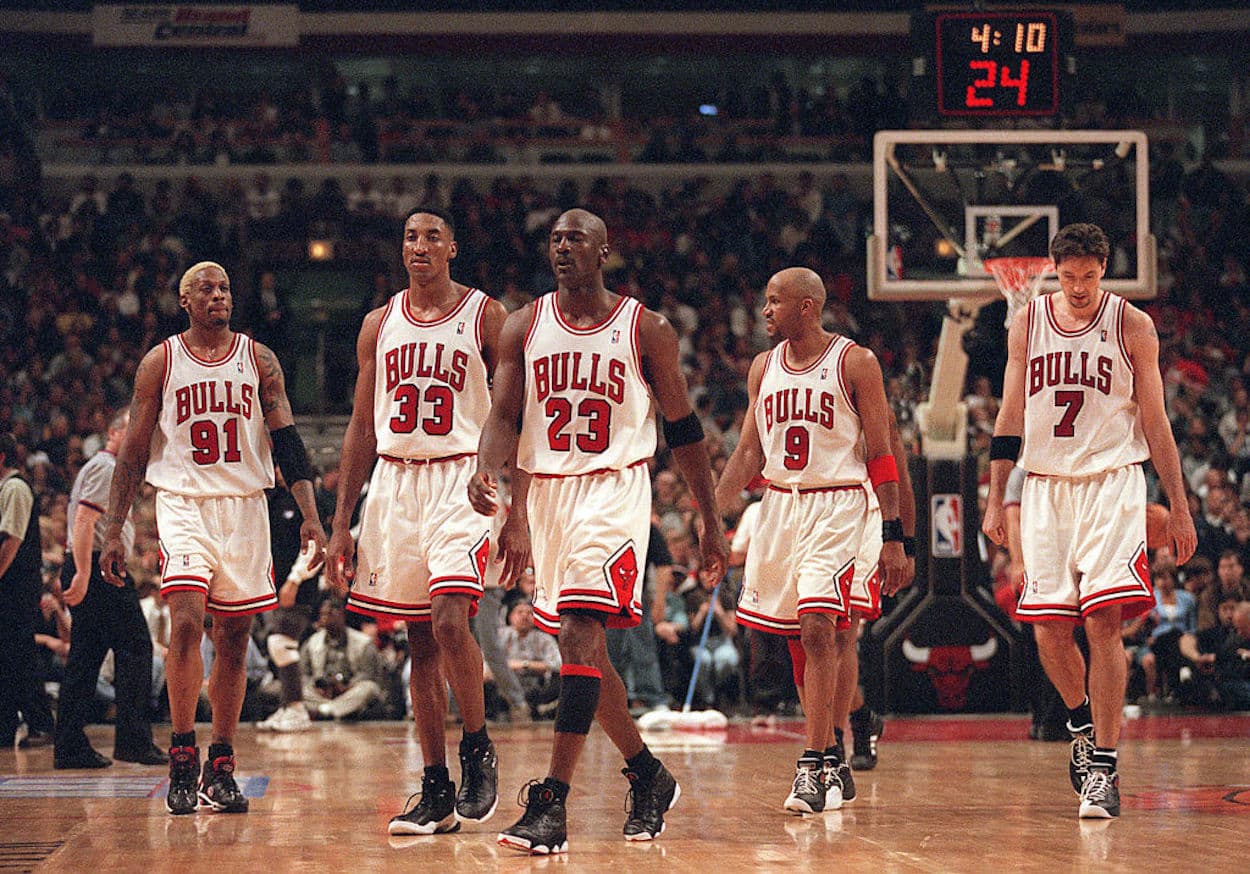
[425,360]
[581,371]
[798,405]
[1061,368]
[213,396]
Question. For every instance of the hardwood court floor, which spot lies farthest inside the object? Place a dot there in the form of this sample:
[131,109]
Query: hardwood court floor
[949,795]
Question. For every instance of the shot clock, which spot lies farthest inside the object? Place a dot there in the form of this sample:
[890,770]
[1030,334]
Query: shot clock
[994,64]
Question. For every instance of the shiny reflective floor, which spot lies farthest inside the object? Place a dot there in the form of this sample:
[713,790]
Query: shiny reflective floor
[948,795]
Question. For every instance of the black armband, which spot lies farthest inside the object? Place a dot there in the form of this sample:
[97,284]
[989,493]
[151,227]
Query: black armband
[1005,448]
[909,546]
[289,453]
[683,432]
[892,529]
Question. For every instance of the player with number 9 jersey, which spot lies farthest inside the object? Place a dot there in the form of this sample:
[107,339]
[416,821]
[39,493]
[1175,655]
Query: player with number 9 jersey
[809,429]
[814,459]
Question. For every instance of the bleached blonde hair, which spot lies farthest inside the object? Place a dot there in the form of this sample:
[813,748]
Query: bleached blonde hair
[184,284]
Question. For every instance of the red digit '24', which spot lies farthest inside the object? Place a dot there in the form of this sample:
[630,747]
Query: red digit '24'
[995,78]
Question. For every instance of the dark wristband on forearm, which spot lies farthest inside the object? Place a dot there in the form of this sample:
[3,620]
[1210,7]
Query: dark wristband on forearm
[289,453]
[683,432]
[909,546]
[1005,448]
[891,529]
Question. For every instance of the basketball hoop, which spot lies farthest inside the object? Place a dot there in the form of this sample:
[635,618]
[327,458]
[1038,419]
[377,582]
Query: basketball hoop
[1019,279]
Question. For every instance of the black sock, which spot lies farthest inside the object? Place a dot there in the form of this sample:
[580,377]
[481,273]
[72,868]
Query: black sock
[219,750]
[183,739]
[860,718]
[834,752]
[643,763]
[837,737]
[1104,758]
[559,789]
[1080,720]
[475,740]
[811,754]
[437,774]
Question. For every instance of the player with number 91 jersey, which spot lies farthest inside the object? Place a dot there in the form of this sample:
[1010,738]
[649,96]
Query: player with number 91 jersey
[809,430]
[211,439]
[431,391]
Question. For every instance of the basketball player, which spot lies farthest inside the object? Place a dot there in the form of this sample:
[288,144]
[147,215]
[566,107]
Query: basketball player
[1082,394]
[819,418]
[865,603]
[203,402]
[422,394]
[571,399]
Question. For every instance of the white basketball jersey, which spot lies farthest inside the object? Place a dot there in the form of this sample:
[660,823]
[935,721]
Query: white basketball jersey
[1080,416]
[587,406]
[211,438]
[431,393]
[809,428]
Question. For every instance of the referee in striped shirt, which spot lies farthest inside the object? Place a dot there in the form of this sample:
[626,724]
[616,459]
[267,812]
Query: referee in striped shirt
[104,617]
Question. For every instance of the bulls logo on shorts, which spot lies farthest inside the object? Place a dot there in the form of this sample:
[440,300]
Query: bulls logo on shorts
[481,555]
[622,572]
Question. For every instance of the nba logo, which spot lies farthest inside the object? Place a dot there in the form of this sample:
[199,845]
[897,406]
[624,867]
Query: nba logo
[460,328]
[616,336]
[186,561]
[373,578]
[238,365]
[824,373]
[946,526]
[1104,335]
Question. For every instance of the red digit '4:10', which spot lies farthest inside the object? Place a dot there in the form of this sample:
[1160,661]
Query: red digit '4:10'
[999,77]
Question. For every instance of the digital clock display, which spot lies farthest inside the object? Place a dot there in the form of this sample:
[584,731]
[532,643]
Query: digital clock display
[997,63]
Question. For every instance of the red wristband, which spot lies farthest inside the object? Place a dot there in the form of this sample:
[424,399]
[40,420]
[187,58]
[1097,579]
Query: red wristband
[882,469]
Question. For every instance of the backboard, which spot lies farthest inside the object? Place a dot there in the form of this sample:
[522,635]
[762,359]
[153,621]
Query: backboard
[946,200]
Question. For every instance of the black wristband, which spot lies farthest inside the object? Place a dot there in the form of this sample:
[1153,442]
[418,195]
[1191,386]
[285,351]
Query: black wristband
[909,546]
[1005,448]
[289,453]
[683,432]
[892,529]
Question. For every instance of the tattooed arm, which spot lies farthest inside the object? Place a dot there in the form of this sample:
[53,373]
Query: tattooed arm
[132,460]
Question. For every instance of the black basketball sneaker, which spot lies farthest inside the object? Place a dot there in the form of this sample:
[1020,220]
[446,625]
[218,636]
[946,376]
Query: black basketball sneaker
[1100,794]
[648,801]
[807,794]
[479,780]
[543,829]
[218,789]
[864,742]
[839,782]
[434,813]
[1079,758]
[184,771]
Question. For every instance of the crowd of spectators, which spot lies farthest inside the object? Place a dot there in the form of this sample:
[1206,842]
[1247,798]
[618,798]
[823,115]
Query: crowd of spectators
[330,119]
[88,283]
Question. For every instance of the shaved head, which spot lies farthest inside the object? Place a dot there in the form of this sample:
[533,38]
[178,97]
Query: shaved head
[586,221]
[799,283]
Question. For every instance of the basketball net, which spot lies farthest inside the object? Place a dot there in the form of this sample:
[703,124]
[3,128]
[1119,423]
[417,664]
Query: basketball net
[1019,279]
